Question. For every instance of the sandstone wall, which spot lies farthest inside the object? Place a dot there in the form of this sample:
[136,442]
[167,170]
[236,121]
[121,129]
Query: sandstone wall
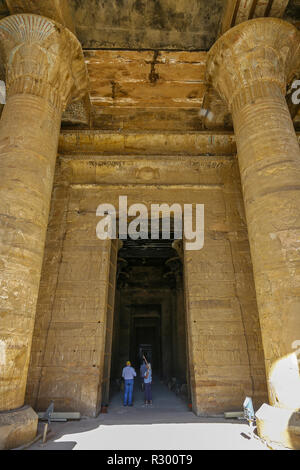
[50,271]
[75,296]
[225,351]
[225,348]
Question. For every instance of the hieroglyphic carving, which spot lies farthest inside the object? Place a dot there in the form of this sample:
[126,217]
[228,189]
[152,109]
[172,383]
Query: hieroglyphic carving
[57,10]
[78,113]
[45,70]
[264,50]
[250,67]
[43,58]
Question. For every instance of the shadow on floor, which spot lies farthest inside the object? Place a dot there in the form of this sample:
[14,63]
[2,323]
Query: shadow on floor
[167,424]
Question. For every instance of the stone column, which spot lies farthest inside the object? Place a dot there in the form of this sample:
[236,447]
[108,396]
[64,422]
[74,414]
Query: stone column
[251,66]
[45,70]
[175,264]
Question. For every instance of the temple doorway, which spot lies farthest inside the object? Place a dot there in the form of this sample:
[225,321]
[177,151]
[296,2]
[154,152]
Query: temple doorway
[149,314]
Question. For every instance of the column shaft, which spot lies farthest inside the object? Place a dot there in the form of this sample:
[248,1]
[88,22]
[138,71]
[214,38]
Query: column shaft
[269,160]
[45,70]
[29,132]
[251,66]
[181,327]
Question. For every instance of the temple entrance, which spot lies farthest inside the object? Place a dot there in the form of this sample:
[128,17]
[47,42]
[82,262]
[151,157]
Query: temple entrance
[149,315]
[146,339]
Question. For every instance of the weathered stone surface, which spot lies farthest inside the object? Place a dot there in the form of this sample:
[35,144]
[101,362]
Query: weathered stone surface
[79,113]
[57,10]
[44,71]
[269,161]
[150,89]
[236,11]
[155,151]
[153,90]
[74,323]
[147,143]
[3,9]
[292,13]
[146,78]
[144,24]
[225,352]
[174,89]
[17,427]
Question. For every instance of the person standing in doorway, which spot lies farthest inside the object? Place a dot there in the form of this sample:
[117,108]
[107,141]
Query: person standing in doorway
[148,385]
[128,375]
[143,370]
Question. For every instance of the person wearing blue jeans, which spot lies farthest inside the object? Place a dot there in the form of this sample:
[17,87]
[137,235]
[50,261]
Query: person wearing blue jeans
[128,392]
[128,375]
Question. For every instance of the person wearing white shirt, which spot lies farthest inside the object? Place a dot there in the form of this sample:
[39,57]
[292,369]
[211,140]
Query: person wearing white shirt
[128,375]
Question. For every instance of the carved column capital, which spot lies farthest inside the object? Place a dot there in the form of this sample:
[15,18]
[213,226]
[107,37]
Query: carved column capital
[253,56]
[251,66]
[42,58]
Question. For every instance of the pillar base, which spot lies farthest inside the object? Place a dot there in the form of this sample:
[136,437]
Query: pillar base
[17,427]
[279,426]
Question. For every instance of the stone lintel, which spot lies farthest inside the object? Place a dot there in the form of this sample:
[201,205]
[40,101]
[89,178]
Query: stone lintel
[87,142]
[146,143]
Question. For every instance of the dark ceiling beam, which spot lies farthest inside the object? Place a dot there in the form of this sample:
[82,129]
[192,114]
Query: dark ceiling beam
[238,11]
[229,15]
[278,8]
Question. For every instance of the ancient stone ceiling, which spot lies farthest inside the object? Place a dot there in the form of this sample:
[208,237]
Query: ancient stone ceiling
[292,13]
[147,24]
[146,58]
[153,24]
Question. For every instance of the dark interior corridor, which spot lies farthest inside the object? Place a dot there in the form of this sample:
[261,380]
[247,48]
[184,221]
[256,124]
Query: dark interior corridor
[149,313]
